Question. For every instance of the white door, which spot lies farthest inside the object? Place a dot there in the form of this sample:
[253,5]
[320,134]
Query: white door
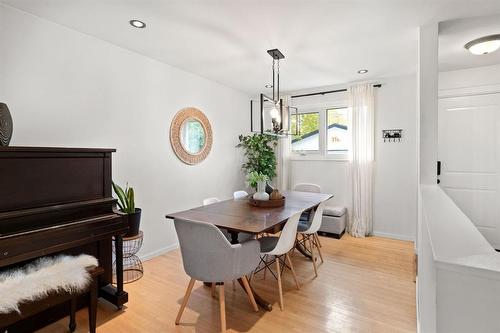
[469,151]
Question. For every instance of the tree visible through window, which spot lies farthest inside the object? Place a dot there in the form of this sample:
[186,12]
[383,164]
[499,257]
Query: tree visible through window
[326,133]
[307,137]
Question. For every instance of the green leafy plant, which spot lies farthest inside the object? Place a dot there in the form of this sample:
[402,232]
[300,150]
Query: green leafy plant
[254,177]
[259,153]
[125,198]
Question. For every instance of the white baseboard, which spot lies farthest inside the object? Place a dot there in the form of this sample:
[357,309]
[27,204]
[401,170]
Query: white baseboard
[393,236]
[159,252]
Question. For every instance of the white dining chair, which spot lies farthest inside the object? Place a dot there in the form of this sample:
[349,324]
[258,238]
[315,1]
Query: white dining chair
[307,187]
[209,201]
[279,248]
[240,195]
[309,234]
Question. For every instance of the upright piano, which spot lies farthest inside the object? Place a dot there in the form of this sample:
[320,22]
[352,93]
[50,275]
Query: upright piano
[59,200]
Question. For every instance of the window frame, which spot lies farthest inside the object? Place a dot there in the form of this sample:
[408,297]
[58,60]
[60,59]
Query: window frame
[337,152]
[322,153]
[319,132]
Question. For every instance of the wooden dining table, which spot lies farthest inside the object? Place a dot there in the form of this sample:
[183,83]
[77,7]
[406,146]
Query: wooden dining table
[237,216]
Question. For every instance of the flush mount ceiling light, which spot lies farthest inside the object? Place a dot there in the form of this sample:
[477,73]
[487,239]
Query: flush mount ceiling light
[362,71]
[484,45]
[268,85]
[137,24]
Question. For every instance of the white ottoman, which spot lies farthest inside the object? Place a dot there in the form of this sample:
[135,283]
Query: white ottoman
[334,222]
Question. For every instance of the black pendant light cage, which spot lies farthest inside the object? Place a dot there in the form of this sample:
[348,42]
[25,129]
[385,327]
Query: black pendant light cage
[275,101]
[283,128]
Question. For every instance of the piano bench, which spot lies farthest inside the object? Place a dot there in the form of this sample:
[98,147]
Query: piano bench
[29,309]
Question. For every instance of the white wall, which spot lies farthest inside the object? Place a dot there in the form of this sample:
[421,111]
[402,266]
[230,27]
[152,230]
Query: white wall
[428,102]
[395,183]
[395,191]
[65,88]
[332,176]
[470,81]
[427,109]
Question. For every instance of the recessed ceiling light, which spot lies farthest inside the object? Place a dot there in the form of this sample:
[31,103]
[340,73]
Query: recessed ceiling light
[137,24]
[268,85]
[362,71]
[484,45]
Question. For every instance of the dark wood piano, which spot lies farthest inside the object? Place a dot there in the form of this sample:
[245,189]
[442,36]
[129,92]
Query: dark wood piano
[59,200]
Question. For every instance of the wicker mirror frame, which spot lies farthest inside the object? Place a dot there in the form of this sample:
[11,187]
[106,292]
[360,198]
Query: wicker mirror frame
[175,135]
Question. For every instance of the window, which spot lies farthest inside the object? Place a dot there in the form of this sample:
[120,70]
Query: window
[338,137]
[307,138]
[323,132]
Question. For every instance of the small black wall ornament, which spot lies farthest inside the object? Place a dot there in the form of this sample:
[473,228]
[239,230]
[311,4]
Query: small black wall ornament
[5,125]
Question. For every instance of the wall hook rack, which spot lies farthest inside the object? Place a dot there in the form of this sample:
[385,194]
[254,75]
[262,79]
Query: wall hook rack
[392,135]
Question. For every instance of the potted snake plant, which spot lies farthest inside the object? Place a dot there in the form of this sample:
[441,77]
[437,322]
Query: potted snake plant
[127,205]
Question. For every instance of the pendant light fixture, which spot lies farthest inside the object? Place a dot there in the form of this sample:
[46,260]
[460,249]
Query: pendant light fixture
[276,110]
[278,113]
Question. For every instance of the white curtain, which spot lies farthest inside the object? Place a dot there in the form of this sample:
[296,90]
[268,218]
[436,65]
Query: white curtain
[283,154]
[361,103]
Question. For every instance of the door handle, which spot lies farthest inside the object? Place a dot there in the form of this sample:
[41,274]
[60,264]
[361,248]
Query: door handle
[438,171]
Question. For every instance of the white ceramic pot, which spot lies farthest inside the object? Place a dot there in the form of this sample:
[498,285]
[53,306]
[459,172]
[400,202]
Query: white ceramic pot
[261,192]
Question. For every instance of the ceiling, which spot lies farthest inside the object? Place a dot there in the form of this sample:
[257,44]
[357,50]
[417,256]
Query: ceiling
[454,34]
[325,42]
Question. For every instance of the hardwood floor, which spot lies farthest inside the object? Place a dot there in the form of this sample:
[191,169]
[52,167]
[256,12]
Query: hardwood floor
[364,285]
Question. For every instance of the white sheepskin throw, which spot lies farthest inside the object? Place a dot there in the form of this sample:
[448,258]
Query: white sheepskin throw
[44,275]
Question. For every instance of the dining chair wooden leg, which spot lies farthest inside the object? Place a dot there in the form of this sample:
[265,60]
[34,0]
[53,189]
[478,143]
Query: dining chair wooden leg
[252,275]
[313,257]
[265,269]
[295,244]
[222,305]
[213,289]
[185,300]
[319,242]
[280,289]
[249,293]
[318,246]
[304,241]
[293,270]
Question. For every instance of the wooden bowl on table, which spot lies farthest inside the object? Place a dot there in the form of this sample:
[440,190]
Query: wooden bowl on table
[267,203]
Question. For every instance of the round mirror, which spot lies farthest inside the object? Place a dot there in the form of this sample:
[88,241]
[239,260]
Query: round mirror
[193,135]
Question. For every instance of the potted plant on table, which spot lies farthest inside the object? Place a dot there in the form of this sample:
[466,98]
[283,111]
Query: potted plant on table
[259,152]
[127,205]
[260,179]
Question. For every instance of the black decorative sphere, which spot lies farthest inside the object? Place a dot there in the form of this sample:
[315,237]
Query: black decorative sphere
[5,125]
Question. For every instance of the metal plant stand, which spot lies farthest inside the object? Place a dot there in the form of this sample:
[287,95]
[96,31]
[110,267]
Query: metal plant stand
[132,265]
